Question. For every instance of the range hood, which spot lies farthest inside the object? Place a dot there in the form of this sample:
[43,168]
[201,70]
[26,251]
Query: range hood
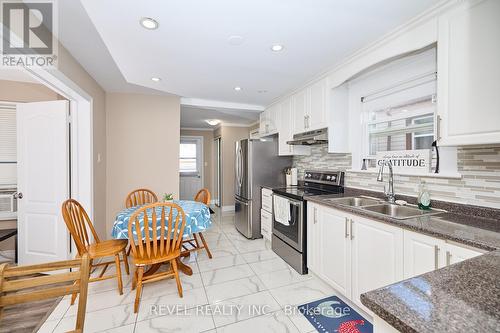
[310,138]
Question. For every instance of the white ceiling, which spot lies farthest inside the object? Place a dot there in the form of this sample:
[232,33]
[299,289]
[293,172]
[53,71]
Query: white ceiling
[191,53]
[194,117]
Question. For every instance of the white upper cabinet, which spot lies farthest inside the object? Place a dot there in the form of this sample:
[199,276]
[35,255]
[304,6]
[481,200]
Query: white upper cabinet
[317,106]
[268,120]
[300,109]
[310,108]
[469,74]
[285,131]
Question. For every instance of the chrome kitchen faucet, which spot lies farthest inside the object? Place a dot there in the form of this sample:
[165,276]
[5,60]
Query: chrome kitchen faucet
[391,197]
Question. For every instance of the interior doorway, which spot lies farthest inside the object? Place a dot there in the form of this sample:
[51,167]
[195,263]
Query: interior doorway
[190,166]
[218,172]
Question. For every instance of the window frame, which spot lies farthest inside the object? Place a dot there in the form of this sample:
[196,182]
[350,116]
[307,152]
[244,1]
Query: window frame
[198,140]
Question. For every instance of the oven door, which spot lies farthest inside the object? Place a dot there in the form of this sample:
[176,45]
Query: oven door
[293,233]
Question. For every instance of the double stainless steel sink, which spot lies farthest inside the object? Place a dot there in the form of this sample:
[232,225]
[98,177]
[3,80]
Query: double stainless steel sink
[381,207]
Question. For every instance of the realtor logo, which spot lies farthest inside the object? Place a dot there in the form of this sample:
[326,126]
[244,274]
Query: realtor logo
[28,33]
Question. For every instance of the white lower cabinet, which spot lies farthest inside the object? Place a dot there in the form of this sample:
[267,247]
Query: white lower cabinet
[455,253]
[422,254]
[377,256]
[335,244]
[266,224]
[355,254]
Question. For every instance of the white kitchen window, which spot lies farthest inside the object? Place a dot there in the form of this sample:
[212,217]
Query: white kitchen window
[396,105]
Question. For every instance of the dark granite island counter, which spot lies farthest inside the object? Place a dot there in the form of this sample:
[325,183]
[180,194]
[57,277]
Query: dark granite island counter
[464,297]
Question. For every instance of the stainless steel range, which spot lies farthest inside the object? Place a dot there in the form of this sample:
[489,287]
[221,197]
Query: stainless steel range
[290,214]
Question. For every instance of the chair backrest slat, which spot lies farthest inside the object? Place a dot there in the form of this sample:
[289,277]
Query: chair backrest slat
[78,223]
[140,196]
[171,229]
[203,196]
[18,285]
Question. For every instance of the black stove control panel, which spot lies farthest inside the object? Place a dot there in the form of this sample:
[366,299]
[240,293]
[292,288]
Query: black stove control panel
[325,177]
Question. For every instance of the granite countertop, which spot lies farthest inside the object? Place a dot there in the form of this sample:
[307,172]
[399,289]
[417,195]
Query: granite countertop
[474,226]
[463,297]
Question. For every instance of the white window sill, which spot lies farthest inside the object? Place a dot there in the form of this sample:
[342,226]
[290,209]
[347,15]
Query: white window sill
[454,175]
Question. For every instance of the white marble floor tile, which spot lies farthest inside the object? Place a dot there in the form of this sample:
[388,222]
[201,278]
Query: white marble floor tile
[267,266]
[189,322]
[282,278]
[60,309]
[256,256]
[158,306]
[216,253]
[222,262]
[101,320]
[48,326]
[226,274]
[276,322]
[107,299]
[235,288]
[245,307]
[122,329]
[302,292]
[169,286]
[244,246]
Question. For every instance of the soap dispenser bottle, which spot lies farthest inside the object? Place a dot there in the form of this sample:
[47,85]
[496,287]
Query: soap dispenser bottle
[424,197]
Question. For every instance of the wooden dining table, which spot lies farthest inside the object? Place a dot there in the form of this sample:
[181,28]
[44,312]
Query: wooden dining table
[197,220]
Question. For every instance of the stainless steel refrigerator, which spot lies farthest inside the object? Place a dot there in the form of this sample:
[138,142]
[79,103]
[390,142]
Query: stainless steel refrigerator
[257,164]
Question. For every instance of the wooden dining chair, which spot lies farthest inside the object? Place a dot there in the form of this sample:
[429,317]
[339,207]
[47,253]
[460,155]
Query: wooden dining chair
[160,245]
[79,225]
[202,196]
[139,197]
[23,284]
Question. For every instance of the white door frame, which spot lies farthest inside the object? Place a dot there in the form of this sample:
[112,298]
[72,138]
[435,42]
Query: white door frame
[202,164]
[82,167]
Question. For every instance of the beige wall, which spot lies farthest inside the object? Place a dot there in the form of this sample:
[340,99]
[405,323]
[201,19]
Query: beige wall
[208,153]
[143,133]
[229,137]
[76,73]
[14,91]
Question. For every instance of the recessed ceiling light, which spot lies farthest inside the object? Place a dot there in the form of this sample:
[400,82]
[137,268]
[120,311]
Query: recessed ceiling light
[277,47]
[155,79]
[213,122]
[237,88]
[235,40]
[149,23]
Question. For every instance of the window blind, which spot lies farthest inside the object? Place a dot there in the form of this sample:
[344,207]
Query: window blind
[8,136]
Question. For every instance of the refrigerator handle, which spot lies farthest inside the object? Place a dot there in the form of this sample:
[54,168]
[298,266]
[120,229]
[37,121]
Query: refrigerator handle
[238,161]
[240,164]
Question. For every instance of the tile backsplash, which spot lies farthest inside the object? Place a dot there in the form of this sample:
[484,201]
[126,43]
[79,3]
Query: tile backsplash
[479,167]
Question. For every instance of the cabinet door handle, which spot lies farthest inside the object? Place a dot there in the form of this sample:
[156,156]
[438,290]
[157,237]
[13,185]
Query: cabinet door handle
[305,124]
[436,257]
[448,258]
[350,227]
[438,127]
[346,233]
[315,215]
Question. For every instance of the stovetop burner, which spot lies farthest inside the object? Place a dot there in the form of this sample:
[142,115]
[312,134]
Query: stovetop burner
[315,183]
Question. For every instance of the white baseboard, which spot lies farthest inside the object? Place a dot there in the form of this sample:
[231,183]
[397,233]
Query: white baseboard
[228,208]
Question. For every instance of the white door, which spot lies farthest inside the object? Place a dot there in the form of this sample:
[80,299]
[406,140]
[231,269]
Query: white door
[336,250]
[377,256]
[43,181]
[190,166]
[422,254]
